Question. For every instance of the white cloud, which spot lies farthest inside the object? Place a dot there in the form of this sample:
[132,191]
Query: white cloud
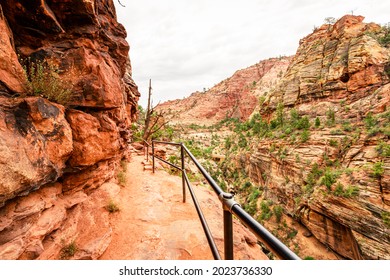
[188,45]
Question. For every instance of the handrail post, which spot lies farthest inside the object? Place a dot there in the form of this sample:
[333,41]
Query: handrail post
[183,172]
[227,203]
[153,155]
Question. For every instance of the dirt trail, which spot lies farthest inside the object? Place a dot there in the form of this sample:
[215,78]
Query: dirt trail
[154,224]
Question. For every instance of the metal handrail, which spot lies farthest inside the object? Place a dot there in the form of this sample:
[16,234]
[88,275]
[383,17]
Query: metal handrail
[147,149]
[230,207]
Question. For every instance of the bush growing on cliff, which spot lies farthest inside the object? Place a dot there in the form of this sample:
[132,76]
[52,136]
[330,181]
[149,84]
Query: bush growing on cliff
[345,192]
[377,169]
[43,80]
[383,149]
[68,250]
[278,211]
[266,212]
[331,117]
[317,122]
[112,207]
[329,178]
[384,36]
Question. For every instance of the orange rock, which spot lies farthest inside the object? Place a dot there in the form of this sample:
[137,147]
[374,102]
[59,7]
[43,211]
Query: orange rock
[11,72]
[35,141]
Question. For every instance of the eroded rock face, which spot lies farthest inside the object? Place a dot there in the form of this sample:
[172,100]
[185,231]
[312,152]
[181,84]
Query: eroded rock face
[54,160]
[235,97]
[11,72]
[339,78]
[35,143]
[338,70]
[335,61]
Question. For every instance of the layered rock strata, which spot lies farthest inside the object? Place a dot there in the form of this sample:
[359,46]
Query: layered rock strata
[235,97]
[55,159]
[331,173]
[337,78]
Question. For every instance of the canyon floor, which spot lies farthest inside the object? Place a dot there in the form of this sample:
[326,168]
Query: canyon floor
[153,223]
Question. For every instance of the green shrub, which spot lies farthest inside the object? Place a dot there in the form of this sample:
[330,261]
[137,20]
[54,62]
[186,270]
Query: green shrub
[122,178]
[386,218]
[43,79]
[377,169]
[384,37]
[266,212]
[347,127]
[383,149]
[350,191]
[278,211]
[329,178]
[370,121]
[333,143]
[303,123]
[68,250]
[242,143]
[331,117]
[112,207]
[305,135]
[317,122]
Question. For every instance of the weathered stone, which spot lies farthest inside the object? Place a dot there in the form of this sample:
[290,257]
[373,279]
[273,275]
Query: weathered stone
[11,72]
[338,69]
[87,225]
[235,97]
[38,145]
[94,139]
[35,143]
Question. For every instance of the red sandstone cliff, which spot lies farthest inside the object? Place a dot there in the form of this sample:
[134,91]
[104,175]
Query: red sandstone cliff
[52,157]
[235,97]
[334,175]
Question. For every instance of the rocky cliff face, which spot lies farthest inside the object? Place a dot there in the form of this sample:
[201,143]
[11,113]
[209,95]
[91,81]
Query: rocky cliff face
[333,173]
[235,97]
[54,159]
[317,143]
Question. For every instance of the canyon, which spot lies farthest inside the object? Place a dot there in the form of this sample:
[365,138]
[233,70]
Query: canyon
[55,158]
[306,135]
[67,105]
[302,141]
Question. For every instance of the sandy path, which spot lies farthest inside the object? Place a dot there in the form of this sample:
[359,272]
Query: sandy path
[151,212]
[154,224]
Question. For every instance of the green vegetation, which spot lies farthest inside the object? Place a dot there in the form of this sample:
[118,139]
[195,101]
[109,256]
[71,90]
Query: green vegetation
[250,205]
[383,36]
[386,218]
[112,207]
[317,122]
[331,117]
[312,178]
[329,178]
[350,191]
[266,212]
[377,169]
[122,178]
[278,212]
[68,250]
[383,149]
[43,79]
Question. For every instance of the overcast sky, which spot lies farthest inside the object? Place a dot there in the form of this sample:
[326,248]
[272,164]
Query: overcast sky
[187,45]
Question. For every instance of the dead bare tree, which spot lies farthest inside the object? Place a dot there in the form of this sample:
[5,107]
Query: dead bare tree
[154,121]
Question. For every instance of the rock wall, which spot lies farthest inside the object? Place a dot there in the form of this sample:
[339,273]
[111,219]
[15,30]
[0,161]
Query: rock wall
[56,161]
[235,97]
[333,176]
[339,77]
